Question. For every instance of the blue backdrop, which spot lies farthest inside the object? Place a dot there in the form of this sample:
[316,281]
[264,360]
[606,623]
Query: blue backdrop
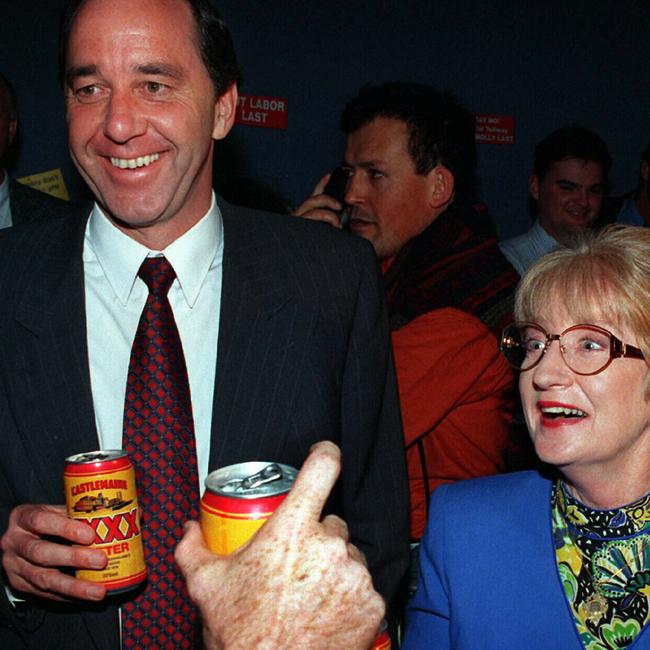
[545,63]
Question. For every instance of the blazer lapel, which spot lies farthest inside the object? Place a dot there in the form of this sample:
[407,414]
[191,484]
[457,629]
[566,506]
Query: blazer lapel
[50,385]
[263,335]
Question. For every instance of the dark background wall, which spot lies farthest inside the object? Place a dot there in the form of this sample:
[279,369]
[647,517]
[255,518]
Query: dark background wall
[545,63]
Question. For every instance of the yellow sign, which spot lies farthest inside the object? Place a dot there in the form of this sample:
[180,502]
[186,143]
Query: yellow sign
[50,182]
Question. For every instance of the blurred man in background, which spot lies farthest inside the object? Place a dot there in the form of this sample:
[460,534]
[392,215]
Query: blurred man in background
[18,203]
[567,186]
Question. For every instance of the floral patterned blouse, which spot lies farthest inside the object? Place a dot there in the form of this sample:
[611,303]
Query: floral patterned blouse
[603,558]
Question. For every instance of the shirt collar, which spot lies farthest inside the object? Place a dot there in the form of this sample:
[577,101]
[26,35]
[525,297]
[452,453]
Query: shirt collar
[541,237]
[5,210]
[191,255]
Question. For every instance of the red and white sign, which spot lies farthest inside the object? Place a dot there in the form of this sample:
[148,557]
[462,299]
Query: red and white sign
[267,112]
[495,129]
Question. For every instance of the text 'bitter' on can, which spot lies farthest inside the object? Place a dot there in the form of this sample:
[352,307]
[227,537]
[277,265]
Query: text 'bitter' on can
[100,490]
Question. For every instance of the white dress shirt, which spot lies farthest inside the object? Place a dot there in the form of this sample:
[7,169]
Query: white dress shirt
[5,207]
[115,297]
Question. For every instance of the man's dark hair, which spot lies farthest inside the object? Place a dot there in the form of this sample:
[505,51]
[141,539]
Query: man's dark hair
[646,154]
[573,141]
[214,42]
[441,130]
[8,90]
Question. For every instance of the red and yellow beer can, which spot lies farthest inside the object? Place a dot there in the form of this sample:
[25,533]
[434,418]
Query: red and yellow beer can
[238,500]
[100,490]
[382,640]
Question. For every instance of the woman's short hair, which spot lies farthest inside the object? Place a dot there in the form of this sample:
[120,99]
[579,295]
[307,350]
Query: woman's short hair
[600,275]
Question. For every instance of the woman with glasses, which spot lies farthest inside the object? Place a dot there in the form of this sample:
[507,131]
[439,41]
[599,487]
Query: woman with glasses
[557,559]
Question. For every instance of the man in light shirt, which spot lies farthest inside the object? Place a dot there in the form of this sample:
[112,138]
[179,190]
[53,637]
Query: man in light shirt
[567,188]
[633,208]
[283,327]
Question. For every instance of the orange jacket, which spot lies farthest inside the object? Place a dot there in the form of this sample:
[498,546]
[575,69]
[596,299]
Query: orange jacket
[456,393]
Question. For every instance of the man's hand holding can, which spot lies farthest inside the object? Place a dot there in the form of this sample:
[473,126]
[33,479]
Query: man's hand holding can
[297,583]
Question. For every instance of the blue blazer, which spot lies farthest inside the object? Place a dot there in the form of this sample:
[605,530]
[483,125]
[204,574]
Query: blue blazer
[488,575]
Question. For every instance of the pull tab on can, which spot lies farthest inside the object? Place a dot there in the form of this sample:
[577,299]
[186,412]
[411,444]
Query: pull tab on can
[270,473]
[238,500]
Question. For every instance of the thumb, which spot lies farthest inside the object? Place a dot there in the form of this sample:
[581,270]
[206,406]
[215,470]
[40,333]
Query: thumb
[314,483]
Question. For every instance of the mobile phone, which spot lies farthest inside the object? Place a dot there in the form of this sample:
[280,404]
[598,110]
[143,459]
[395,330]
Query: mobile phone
[337,187]
[337,184]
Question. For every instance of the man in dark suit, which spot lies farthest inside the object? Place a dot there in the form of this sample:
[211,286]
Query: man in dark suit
[18,203]
[292,312]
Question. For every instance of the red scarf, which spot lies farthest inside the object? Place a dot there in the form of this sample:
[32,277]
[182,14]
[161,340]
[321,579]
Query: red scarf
[455,262]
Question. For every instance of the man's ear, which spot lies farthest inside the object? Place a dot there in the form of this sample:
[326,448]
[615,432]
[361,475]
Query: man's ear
[224,112]
[442,187]
[533,184]
[13,125]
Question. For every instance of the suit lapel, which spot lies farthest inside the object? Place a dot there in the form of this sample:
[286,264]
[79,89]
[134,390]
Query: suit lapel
[264,332]
[17,204]
[51,384]
[52,393]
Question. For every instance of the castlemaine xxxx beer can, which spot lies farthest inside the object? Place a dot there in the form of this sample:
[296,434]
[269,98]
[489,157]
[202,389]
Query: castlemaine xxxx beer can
[238,500]
[100,489]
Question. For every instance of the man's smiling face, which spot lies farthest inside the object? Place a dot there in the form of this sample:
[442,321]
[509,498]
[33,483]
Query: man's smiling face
[569,197]
[142,114]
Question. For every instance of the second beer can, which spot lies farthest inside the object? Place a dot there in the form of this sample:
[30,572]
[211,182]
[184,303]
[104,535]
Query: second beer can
[100,490]
[238,500]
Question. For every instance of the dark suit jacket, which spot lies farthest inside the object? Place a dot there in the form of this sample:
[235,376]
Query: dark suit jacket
[29,205]
[302,356]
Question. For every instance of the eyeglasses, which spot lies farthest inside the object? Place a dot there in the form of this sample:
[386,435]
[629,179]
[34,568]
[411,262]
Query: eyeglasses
[586,349]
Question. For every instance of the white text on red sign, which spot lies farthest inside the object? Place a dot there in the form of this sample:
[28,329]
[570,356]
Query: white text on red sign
[262,111]
[495,129]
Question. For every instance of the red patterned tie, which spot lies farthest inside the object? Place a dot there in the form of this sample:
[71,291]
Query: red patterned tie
[159,438]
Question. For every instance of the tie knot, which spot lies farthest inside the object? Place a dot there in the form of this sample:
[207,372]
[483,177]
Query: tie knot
[158,274]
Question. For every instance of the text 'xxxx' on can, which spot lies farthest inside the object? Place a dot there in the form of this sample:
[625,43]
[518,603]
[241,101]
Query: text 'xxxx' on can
[100,490]
[238,500]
